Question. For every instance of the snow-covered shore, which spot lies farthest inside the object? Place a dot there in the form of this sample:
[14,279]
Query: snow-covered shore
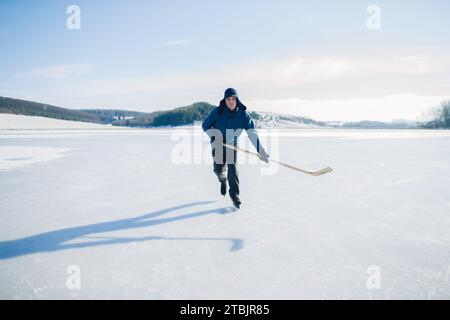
[21,122]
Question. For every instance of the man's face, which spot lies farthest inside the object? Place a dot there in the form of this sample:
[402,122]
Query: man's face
[231,103]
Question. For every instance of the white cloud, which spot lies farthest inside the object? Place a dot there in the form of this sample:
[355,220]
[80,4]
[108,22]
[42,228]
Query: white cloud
[307,77]
[176,43]
[57,71]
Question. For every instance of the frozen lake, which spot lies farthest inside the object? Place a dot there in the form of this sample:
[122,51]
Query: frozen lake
[110,214]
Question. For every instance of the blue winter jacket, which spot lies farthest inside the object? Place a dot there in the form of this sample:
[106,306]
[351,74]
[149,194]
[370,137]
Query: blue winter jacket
[239,119]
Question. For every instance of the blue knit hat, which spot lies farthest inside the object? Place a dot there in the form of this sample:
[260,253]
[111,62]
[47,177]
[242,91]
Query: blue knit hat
[230,92]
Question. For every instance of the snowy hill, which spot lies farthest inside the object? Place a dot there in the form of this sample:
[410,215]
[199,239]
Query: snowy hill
[31,108]
[21,122]
[275,120]
[179,116]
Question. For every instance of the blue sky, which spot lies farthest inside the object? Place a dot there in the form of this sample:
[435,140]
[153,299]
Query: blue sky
[313,58]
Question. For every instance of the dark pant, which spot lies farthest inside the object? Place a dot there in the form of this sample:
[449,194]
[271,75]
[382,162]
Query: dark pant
[223,161]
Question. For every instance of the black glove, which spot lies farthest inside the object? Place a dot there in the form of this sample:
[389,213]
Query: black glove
[263,156]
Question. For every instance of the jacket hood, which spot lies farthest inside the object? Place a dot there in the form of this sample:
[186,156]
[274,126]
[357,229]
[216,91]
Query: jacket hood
[223,105]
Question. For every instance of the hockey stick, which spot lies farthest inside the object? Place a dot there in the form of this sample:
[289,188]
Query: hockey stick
[312,173]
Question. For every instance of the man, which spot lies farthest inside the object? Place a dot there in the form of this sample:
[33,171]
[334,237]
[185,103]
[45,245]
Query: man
[225,124]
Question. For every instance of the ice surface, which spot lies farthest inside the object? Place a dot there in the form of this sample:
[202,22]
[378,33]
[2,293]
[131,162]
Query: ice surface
[139,226]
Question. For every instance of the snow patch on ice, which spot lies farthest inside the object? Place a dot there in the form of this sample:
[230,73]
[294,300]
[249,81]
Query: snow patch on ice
[12,157]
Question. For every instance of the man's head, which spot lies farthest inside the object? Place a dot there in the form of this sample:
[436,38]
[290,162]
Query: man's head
[231,97]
